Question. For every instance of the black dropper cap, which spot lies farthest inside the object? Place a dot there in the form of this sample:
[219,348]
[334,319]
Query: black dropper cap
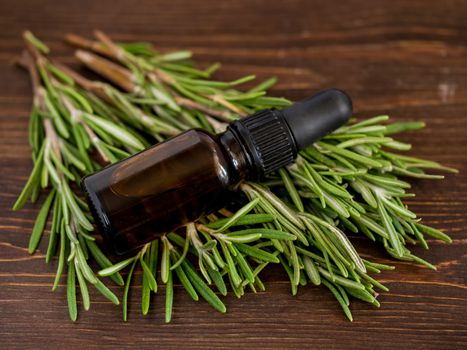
[272,138]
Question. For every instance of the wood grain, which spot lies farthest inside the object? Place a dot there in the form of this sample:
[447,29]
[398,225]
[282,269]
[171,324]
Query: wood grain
[404,58]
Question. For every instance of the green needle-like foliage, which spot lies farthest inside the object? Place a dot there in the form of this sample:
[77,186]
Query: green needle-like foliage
[298,217]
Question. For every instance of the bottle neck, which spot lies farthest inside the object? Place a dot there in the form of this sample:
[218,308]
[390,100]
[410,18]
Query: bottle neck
[239,159]
[266,141]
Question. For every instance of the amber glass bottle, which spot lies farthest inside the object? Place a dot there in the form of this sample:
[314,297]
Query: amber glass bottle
[194,173]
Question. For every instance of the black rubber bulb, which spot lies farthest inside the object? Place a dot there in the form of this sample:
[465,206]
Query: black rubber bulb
[316,116]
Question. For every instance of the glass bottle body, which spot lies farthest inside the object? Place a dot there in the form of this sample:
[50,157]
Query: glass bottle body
[164,187]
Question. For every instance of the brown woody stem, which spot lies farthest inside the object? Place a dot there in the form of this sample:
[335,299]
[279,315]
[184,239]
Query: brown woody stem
[114,72]
[95,87]
[27,62]
[84,43]
[222,115]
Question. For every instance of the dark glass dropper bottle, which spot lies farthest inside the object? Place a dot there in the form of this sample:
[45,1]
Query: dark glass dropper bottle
[192,174]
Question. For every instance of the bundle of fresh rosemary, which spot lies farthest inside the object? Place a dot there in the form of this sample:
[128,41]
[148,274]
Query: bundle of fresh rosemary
[347,182]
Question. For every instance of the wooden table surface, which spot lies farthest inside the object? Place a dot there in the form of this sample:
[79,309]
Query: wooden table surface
[404,58]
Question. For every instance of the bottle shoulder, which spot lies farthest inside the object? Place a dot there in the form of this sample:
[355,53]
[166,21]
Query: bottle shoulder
[207,151]
[226,153]
[203,135]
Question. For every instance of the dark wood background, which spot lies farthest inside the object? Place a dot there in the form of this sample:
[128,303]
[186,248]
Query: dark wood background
[404,58]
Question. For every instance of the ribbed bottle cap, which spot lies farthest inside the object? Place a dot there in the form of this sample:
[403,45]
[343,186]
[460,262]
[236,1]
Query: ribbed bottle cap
[267,140]
[272,138]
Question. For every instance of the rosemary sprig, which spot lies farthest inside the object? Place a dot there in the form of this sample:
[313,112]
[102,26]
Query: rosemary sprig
[60,158]
[349,181]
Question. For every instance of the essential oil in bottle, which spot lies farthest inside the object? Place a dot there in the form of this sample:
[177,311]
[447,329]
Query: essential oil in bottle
[193,174]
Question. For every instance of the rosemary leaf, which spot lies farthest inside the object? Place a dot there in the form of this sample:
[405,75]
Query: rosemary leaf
[40,223]
[71,292]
